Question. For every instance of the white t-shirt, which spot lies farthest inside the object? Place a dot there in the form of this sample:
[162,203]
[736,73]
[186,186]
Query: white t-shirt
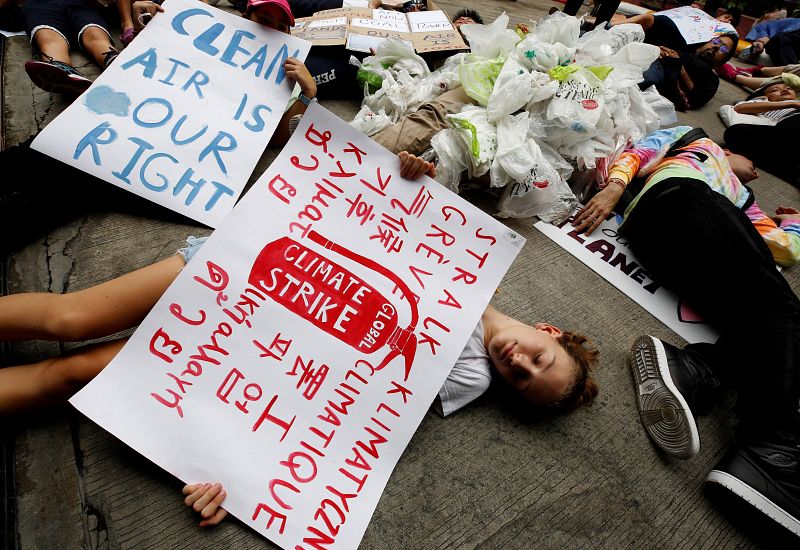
[469,378]
[778,114]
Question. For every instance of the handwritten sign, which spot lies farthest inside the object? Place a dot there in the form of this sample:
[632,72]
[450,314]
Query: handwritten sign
[427,21]
[295,355]
[183,114]
[359,29]
[606,252]
[695,25]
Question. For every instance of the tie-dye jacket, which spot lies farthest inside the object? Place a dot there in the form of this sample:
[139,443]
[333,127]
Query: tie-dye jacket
[646,158]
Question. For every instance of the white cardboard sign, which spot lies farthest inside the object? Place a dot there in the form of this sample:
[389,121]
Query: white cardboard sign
[295,355]
[606,252]
[183,114]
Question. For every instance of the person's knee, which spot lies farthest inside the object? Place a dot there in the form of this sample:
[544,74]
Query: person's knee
[94,34]
[64,376]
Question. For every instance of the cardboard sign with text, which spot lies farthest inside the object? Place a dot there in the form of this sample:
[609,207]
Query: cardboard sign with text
[606,252]
[183,114]
[295,355]
[424,31]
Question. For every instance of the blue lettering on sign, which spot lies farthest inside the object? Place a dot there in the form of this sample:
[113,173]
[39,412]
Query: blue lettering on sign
[164,180]
[93,138]
[178,126]
[156,101]
[204,42]
[234,47]
[148,60]
[143,146]
[216,146]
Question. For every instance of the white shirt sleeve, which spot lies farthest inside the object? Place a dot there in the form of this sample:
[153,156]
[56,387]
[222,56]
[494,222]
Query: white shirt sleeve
[469,378]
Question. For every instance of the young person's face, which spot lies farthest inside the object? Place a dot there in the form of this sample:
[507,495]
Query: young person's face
[270,16]
[780,92]
[463,20]
[725,18]
[716,50]
[533,362]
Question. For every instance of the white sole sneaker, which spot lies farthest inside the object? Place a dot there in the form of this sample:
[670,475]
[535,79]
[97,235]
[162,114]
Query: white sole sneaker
[664,412]
[755,498]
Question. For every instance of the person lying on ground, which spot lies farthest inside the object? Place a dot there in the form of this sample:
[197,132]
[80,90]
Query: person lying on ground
[688,80]
[762,34]
[774,148]
[660,29]
[547,366]
[757,76]
[57,26]
[696,229]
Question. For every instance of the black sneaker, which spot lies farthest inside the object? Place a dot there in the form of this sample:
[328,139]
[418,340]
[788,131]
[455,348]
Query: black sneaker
[57,77]
[661,382]
[766,475]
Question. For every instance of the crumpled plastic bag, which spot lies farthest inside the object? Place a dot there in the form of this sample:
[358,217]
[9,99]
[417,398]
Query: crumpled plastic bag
[558,28]
[369,122]
[536,54]
[662,107]
[513,88]
[479,136]
[478,75]
[599,44]
[492,40]
[544,194]
[453,158]
[514,154]
[578,102]
[636,53]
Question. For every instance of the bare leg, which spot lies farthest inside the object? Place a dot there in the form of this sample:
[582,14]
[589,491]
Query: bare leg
[53,381]
[52,45]
[751,82]
[97,43]
[90,313]
[772,71]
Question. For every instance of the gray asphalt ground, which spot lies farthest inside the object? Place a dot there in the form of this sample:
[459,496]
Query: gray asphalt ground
[484,478]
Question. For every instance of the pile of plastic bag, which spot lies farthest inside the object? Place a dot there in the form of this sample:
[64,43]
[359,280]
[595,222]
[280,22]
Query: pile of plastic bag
[546,104]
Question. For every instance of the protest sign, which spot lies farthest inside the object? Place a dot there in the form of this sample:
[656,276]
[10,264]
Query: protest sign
[362,29]
[606,252]
[695,25]
[183,114]
[295,355]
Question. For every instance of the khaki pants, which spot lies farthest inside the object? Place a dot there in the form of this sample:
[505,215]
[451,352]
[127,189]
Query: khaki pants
[413,132]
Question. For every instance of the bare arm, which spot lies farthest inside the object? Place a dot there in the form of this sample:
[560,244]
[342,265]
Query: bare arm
[764,106]
[646,20]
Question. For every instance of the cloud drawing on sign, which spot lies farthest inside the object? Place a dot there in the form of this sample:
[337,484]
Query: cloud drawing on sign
[103,100]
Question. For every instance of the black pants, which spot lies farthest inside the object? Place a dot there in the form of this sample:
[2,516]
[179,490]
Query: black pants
[784,47]
[773,148]
[697,243]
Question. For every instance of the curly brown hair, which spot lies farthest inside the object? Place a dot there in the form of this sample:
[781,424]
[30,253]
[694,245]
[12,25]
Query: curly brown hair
[584,357]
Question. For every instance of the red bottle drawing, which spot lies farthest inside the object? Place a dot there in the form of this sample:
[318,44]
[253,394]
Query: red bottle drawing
[334,299]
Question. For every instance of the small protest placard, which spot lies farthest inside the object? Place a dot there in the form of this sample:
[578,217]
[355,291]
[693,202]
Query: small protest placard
[606,252]
[424,31]
[183,114]
[295,355]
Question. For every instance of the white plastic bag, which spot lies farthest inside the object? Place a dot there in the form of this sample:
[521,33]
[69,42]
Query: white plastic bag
[558,28]
[663,108]
[578,102]
[492,40]
[539,55]
[479,136]
[513,88]
[550,199]
[478,75]
[453,158]
[371,123]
